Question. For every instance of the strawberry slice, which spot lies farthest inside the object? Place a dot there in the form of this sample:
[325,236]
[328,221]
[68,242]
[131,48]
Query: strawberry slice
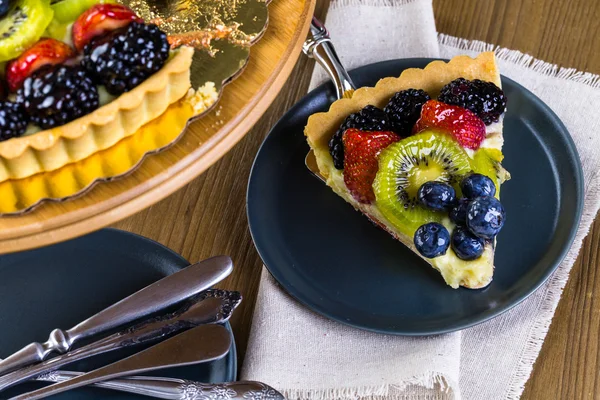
[99,19]
[361,149]
[466,127]
[44,52]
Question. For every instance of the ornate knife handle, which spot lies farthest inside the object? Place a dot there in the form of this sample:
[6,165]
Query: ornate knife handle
[214,306]
[178,389]
[168,291]
[320,47]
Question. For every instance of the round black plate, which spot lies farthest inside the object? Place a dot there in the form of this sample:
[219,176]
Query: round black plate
[61,285]
[337,263]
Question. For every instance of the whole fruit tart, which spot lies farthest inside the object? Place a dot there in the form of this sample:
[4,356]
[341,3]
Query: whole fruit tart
[78,76]
[420,156]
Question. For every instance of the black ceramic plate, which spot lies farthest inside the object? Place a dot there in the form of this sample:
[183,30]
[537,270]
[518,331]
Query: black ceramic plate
[61,285]
[337,263]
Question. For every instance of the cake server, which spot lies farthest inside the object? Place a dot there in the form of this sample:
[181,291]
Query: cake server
[201,344]
[211,307]
[320,47]
[178,389]
[159,295]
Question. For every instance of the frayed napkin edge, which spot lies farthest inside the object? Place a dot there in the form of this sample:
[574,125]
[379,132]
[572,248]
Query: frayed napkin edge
[555,284]
[522,60]
[430,381]
[371,3]
[559,279]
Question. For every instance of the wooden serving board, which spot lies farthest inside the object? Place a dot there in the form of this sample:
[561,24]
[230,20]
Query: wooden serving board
[241,105]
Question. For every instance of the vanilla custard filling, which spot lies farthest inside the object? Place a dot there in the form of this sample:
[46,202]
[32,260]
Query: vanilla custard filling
[456,272]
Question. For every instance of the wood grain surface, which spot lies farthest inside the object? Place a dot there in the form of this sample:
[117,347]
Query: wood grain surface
[207,217]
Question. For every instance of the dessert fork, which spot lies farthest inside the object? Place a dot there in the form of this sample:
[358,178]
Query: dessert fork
[198,345]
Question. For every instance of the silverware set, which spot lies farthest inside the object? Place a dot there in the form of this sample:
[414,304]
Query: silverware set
[192,334]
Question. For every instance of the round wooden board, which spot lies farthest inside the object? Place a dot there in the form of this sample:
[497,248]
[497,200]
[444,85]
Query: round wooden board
[241,105]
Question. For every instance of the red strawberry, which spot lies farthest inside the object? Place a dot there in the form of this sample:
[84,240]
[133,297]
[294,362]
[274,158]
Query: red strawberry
[99,19]
[44,52]
[466,127]
[361,149]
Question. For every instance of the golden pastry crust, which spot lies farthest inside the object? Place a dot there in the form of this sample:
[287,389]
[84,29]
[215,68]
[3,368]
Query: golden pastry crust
[321,127]
[53,148]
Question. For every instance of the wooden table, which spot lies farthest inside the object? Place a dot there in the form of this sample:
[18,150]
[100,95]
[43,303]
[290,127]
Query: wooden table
[208,216]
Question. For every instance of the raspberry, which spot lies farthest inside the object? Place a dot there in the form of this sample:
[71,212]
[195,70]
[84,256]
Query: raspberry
[126,57]
[404,109]
[13,120]
[485,99]
[464,126]
[369,118]
[55,95]
[44,52]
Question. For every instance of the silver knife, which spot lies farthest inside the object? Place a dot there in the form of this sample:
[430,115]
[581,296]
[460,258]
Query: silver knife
[159,295]
[213,306]
[201,344]
[177,389]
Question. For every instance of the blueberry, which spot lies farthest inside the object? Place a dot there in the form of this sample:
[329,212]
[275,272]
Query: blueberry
[458,213]
[466,245]
[475,185]
[432,240]
[4,7]
[485,217]
[436,196]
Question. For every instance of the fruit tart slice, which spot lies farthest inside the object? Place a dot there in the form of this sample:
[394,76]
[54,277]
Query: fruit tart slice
[420,156]
[79,77]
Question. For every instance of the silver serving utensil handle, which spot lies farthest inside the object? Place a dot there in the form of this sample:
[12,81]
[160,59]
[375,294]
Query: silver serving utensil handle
[211,307]
[320,47]
[159,295]
[177,389]
[201,344]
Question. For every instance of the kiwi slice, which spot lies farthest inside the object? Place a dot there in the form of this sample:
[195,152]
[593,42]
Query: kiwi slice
[67,11]
[59,31]
[487,162]
[24,24]
[406,165]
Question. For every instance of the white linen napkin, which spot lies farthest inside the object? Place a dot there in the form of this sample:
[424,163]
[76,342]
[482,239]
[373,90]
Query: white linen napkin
[309,357]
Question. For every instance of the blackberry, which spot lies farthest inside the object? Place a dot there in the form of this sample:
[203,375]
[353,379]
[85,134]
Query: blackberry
[404,109]
[369,118]
[13,120]
[57,94]
[126,57]
[485,99]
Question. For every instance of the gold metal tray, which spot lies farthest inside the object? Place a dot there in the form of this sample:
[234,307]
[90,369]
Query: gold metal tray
[207,139]
[221,33]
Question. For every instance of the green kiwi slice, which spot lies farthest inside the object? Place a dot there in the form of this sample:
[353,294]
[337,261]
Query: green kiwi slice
[59,31]
[487,162]
[67,11]
[24,24]
[406,165]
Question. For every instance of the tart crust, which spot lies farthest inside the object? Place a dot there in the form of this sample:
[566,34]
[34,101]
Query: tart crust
[321,127]
[53,148]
